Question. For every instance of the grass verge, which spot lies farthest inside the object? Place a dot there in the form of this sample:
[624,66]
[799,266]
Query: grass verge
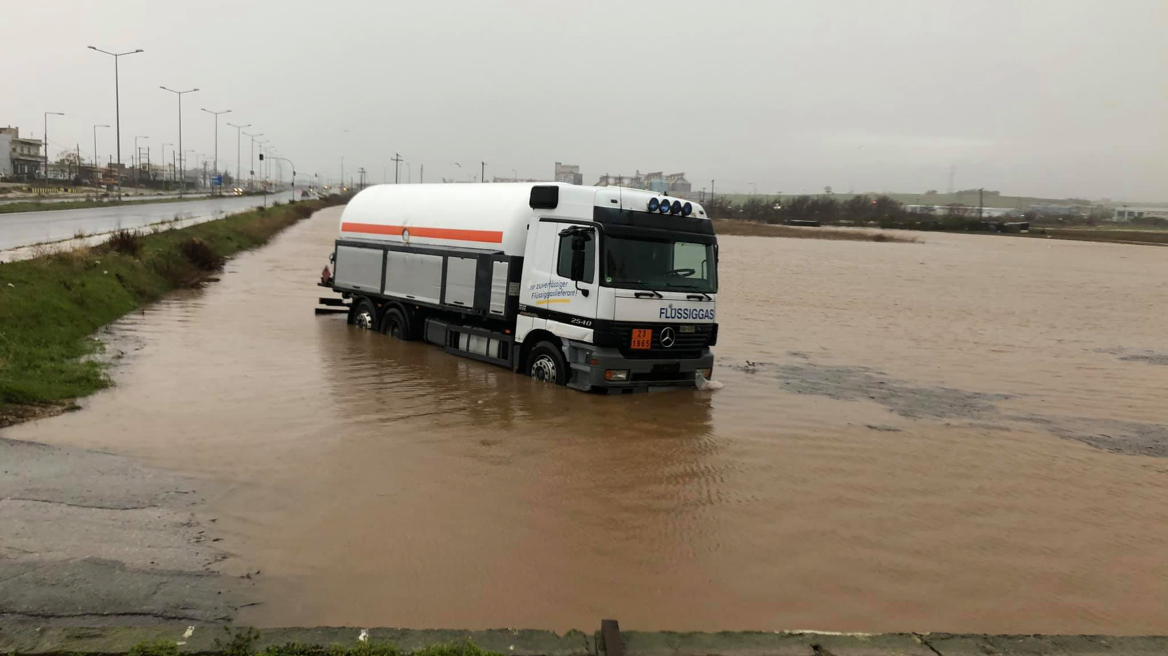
[50,306]
[40,206]
[243,643]
[753,229]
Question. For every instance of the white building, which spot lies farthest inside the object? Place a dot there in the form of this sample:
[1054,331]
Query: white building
[1125,214]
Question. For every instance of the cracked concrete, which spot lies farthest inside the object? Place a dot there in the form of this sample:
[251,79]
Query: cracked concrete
[96,538]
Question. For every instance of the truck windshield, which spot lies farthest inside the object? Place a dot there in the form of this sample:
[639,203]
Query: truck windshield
[639,263]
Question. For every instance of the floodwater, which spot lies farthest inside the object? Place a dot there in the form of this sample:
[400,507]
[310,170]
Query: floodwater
[967,434]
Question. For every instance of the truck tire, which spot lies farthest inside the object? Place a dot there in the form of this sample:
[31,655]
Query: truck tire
[395,324]
[546,363]
[363,314]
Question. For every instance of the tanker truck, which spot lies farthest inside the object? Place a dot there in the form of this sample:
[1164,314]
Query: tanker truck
[597,288]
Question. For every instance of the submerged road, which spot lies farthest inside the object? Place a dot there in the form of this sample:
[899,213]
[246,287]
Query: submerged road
[28,228]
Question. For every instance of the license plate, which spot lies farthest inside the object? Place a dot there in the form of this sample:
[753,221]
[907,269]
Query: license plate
[689,329]
[642,338]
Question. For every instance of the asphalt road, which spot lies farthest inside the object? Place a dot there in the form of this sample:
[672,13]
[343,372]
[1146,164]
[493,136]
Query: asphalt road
[28,228]
[92,538]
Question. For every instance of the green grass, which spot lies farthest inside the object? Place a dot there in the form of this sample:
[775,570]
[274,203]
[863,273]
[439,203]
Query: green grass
[38,206]
[242,642]
[50,306]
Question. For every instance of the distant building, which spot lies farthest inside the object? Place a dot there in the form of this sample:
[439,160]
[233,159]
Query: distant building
[24,155]
[1125,214]
[568,173]
[5,156]
[673,184]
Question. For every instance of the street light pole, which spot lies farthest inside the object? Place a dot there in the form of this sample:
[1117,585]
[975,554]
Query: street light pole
[238,131]
[117,104]
[216,167]
[95,162]
[182,178]
[47,114]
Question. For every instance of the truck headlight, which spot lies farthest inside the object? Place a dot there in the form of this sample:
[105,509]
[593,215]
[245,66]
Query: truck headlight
[616,375]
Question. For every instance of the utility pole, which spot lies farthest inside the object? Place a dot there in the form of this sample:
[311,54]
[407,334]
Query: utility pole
[711,192]
[483,173]
[397,160]
[238,131]
[215,171]
[980,202]
[163,159]
[117,106]
[95,160]
[138,158]
[182,182]
[421,173]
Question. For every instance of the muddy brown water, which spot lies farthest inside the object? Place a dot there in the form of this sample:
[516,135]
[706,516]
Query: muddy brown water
[968,434]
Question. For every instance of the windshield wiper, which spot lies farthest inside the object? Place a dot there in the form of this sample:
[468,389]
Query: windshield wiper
[639,285]
[696,289]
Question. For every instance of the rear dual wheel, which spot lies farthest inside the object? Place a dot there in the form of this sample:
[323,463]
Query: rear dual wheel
[396,324]
[363,314]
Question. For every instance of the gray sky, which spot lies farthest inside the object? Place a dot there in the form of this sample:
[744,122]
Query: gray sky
[1054,98]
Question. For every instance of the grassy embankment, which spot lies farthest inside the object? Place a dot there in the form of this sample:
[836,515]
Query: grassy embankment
[40,206]
[51,305]
[242,642]
[752,229]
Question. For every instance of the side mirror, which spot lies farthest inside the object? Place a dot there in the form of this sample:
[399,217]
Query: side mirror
[578,245]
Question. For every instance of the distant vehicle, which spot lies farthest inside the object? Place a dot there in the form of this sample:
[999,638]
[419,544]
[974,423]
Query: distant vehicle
[237,191]
[597,288]
[304,193]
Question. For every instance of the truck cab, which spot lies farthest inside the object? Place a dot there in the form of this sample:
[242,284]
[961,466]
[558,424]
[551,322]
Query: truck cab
[629,292]
[597,288]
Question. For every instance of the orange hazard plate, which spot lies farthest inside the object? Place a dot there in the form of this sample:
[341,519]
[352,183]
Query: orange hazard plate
[642,338]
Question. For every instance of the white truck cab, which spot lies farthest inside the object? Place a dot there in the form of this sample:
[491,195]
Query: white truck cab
[597,288]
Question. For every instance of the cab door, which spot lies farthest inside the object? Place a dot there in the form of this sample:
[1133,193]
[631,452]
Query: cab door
[569,297]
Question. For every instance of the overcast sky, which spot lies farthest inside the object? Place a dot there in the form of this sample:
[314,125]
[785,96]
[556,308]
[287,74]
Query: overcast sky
[1059,98]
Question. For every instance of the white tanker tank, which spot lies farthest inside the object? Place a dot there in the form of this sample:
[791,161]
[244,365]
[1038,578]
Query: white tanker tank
[597,288]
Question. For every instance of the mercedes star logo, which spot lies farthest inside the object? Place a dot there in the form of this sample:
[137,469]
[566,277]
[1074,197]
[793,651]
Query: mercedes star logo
[667,337]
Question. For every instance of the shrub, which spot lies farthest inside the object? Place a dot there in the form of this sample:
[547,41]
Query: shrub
[200,254]
[125,242]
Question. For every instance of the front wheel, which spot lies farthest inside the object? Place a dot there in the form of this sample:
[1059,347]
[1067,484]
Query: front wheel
[546,363]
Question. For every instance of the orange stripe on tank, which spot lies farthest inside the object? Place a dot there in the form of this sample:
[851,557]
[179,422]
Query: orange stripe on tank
[452,234]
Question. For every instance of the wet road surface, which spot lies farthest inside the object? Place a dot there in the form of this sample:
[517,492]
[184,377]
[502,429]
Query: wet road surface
[27,228]
[967,434]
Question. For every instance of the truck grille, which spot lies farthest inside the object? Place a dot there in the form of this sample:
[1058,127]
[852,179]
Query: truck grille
[685,345]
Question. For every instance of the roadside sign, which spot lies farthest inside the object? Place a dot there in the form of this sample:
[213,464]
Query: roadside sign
[216,181]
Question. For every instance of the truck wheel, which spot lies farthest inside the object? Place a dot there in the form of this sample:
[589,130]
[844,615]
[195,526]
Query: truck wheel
[363,314]
[546,363]
[396,325]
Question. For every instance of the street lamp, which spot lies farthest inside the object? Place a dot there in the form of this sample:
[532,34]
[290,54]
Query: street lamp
[216,167]
[182,178]
[47,115]
[117,103]
[285,159]
[96,163]
[238,131]
[137,158]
